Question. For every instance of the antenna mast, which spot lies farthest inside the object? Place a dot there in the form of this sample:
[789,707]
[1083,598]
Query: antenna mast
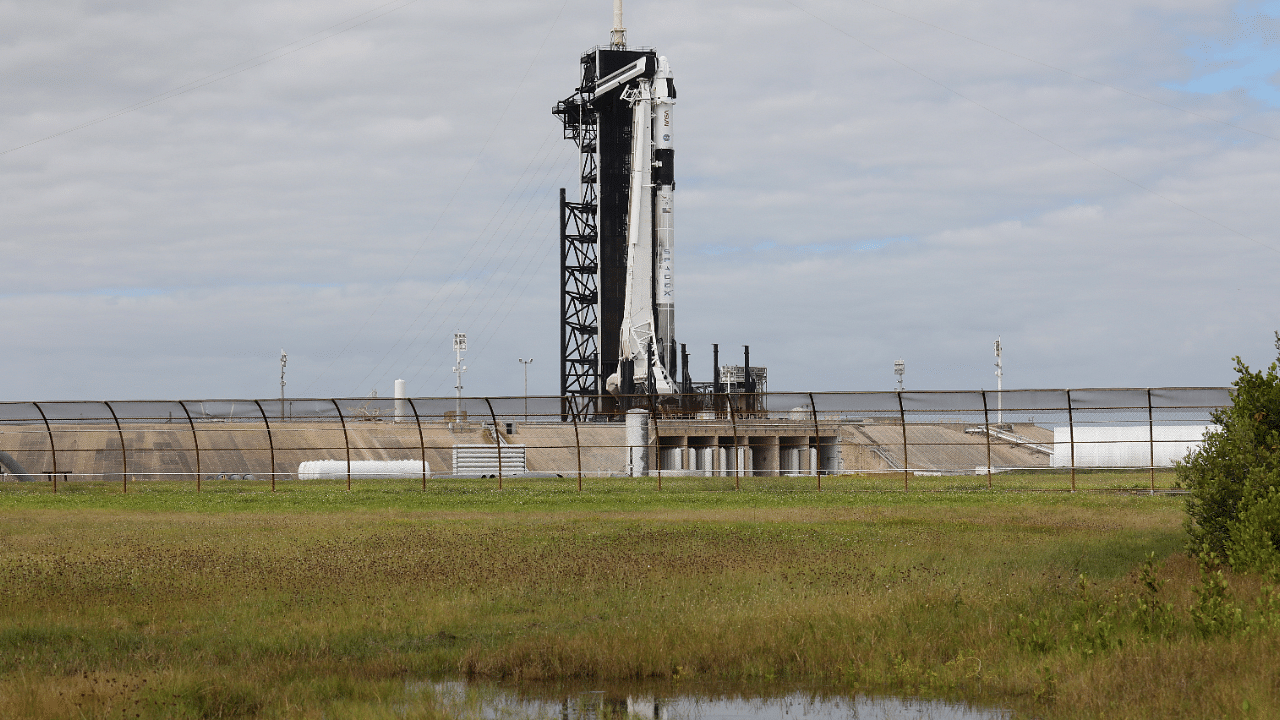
[618,39]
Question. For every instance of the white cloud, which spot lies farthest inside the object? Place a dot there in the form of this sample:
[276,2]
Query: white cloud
[358,200]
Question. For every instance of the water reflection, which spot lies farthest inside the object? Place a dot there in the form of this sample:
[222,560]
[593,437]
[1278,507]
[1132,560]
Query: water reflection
[683,702]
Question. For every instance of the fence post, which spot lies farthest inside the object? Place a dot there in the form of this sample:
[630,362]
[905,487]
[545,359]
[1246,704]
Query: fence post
[902,414]
[271,445]
[986,424]
[656,443]
[124,457]
[497,439]
[577,441]
[817,439]
[346,441]
[52,449]
[422,443]
[1151,436]
[195,439]
[1071,439]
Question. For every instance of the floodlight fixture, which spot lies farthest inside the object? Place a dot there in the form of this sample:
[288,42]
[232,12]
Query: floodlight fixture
[525,363]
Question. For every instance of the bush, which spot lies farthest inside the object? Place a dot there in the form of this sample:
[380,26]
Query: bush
[1233,509]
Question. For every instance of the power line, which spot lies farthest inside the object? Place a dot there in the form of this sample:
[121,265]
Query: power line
[540,252]
[453,311]
[448,204]
[477,250]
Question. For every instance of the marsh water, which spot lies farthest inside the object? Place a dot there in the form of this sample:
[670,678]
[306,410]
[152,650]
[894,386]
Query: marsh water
[680,701]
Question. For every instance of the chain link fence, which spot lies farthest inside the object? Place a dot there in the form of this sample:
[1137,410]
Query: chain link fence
[1035,439]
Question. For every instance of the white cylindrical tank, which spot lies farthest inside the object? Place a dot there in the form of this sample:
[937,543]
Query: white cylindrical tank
[790,461]
[637,442]
[376,469]
[671,459]
[402,402]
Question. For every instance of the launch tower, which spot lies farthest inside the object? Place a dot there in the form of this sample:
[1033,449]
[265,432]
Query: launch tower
[617,248]
[617,333]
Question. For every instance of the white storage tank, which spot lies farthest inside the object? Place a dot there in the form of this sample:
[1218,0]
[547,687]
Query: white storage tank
[375,469]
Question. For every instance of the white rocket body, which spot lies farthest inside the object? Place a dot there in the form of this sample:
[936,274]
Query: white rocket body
[664,212]
[648,315]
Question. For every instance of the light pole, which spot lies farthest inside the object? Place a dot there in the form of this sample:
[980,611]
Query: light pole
[525,363]
[283,358]
[459,346]
[999,384]
[899,369]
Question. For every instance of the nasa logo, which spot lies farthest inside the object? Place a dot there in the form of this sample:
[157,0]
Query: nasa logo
[666,137]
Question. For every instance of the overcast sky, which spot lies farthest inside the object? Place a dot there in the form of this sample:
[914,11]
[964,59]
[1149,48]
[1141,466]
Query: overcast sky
[187,188]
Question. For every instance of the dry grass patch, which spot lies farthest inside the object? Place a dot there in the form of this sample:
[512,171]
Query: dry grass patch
[1030,601]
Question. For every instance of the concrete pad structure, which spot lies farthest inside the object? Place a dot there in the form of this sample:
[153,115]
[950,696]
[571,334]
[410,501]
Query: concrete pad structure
[674,447]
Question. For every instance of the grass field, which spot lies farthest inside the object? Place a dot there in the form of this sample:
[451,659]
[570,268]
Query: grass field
[443,492]
[318,602]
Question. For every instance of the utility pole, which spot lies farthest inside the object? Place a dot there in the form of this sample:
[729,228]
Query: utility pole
[525,363]
[459,347]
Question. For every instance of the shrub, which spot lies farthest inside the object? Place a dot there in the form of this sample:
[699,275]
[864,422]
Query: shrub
[1233,509]
[1214,612]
